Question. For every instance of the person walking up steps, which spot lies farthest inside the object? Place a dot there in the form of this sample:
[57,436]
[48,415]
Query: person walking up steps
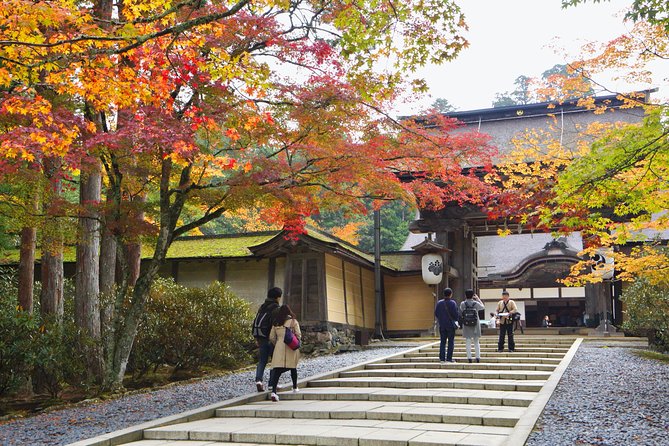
[446,312]
[471,331]
[262,325]
[284,358]
[505,310]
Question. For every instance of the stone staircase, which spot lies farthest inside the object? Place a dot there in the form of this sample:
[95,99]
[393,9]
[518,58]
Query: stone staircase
[408,399]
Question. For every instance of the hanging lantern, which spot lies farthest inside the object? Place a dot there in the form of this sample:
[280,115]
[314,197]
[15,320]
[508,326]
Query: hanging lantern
[433,268]
[432,261]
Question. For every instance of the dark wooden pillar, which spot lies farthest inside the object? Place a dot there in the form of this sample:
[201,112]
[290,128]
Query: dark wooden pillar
[442,238]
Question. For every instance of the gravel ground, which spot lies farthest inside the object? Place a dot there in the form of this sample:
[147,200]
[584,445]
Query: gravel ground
[607,397]
[66,426]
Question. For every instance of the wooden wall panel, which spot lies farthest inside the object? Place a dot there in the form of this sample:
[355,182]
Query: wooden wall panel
[409,303]
[369,297]
[353,294]
[334,286]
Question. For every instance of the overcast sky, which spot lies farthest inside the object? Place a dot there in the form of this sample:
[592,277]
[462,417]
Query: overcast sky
[510,38]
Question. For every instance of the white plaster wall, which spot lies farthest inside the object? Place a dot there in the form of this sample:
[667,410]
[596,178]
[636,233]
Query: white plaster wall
[197,274]
[501,254]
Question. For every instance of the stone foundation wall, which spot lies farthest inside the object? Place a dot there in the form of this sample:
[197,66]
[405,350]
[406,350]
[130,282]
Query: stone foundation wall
[327,338]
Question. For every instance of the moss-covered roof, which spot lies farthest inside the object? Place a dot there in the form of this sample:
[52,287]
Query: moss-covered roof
[216,246]
[235,246]
[402,261]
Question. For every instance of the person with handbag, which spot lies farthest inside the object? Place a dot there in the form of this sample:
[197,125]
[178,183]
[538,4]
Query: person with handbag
[505,312]
[286,337]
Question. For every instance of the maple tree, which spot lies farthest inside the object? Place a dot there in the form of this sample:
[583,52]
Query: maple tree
[625,170]
[191,109]
[612,188]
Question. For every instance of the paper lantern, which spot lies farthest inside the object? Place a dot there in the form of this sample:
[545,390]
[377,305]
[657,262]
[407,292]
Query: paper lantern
[433,268]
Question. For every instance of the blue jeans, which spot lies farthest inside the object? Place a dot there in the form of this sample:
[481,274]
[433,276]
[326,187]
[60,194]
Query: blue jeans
[446,335]
[265,350]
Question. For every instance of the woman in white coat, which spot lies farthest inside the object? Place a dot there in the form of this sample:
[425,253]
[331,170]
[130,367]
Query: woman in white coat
[472,334]
[284,358]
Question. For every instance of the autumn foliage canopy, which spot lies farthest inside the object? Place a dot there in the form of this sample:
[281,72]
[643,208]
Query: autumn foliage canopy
[229,104]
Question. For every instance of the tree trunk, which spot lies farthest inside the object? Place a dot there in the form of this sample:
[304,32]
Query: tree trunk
[107,263]
[87,282]
[126,319]
[27,268]
[51,298]
[107,279]
[125,327]
[133,250]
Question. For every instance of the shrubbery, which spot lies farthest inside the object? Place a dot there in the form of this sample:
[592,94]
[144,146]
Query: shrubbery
[17,336]
[184,328]
[647,312]
[187,328]
[32,348]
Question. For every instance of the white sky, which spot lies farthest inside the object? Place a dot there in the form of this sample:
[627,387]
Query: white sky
[513,37]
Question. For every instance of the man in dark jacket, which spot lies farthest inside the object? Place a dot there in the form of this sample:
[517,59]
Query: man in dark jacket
[262,324]
[446,312]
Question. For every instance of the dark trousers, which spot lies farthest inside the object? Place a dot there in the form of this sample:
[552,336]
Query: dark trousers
[265,349]
[506,329]
[446,335]
[276,374]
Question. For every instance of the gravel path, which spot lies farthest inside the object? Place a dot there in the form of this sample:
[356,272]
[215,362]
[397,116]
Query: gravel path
[78,423]
[607,397]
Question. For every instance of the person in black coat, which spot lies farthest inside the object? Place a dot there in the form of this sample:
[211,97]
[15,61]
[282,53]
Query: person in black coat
[262,324]
[446,312]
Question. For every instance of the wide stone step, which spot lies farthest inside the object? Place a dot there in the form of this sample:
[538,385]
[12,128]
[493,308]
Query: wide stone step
[406,400]
[448,373]
[526,385]
[504,354]
[557,340]
[484,415]
[456,396]
[328,432]
[511,358]
[494,350]
[463,365]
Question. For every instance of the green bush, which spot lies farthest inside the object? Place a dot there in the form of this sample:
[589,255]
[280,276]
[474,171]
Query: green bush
[647,312]
[59,359]
[17,329]
[45,350]
[187,328]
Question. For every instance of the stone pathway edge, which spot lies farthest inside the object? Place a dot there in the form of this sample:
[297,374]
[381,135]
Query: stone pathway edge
[135,433]
[526,423]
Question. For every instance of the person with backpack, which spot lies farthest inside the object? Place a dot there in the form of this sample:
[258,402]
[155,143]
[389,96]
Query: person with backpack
[505,311]
[285,357]
[262,325]
[471,326]
[446,312]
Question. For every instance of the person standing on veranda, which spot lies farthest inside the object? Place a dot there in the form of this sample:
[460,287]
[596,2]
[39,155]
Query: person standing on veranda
[473,333]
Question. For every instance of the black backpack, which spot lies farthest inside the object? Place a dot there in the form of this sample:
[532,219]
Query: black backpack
[262,324]
[470,316]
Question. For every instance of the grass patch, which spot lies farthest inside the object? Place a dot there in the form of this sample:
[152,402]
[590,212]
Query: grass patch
[649,354]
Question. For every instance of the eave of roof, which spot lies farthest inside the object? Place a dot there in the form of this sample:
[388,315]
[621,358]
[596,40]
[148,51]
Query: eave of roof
[522,111]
